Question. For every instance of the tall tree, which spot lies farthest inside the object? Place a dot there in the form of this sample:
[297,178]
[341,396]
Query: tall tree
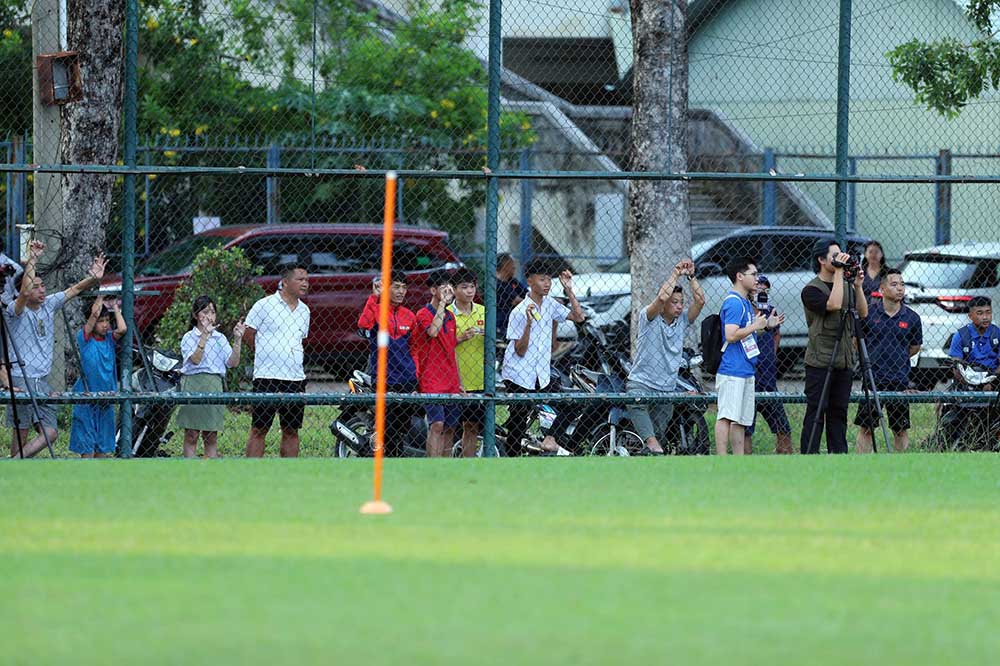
[91,129]
[659,232]
[89,134]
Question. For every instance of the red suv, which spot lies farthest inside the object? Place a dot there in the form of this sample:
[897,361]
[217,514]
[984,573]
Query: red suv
[342,260]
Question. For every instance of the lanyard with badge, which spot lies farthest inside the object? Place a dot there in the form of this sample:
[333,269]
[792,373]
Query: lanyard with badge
[749,343]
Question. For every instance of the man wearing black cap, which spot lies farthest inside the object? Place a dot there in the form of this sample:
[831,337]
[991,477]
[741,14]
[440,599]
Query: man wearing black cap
[824,299]
[766,379]
[510,291]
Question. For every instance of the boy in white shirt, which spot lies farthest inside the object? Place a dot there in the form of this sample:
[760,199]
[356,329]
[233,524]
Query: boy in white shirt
[530,333]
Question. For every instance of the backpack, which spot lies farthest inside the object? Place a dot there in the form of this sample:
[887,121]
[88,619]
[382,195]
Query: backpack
[713,343]
[965,337]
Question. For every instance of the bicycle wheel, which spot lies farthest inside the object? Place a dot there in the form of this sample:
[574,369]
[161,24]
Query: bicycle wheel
[612,440]
[456,449]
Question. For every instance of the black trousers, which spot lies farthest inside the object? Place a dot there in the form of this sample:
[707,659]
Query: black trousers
[402,422]
[519,417]
[835,415]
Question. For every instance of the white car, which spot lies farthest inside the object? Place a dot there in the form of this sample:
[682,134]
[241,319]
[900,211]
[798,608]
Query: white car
[784,254]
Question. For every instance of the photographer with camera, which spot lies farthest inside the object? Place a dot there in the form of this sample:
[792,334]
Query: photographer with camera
[837,285]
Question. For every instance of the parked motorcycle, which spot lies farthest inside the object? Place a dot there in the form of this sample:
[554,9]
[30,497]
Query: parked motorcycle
[594,349]
[156,371]
[969,426]
[604,429]
[687,433]
[354,428]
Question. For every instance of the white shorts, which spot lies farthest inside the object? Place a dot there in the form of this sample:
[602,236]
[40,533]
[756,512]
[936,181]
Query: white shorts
[736,399]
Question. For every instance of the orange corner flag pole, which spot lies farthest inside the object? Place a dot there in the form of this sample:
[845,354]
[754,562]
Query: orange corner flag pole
[377,506]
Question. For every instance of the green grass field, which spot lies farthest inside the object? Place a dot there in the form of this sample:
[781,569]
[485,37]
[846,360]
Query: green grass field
[765,560]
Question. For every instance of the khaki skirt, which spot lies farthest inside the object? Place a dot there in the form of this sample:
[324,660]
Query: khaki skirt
[201,417]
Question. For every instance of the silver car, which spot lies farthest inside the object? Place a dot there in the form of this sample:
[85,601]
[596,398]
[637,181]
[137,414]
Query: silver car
[784,255]
[940,282]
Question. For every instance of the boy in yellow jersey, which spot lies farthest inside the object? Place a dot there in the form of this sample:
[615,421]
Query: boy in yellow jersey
[470,320]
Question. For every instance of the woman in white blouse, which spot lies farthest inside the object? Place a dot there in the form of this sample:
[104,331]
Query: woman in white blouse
[207,355]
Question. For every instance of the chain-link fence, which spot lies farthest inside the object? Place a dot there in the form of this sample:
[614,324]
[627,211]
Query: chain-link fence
[533,254]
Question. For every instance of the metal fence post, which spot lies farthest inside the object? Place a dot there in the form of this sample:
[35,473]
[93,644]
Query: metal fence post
[399,202]
[525,230]
[21,199]
[843,117]
[490,236]
[130,104]
[8,237]
[273,202]
[17,193]
[147,187]
[942,200]
[770,194]
[852,197]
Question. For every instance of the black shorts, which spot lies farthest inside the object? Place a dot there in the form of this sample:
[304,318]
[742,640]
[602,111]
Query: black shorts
[262,415]
[897,412]
[474,412]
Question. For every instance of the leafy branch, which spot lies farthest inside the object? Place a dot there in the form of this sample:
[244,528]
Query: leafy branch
[947,74]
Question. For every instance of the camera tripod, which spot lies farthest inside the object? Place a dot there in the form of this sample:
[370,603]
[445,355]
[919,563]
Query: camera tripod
[8,343]
[850,315]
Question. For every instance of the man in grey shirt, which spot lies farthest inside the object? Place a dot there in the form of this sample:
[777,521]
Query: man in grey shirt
[659,351]
[30,320]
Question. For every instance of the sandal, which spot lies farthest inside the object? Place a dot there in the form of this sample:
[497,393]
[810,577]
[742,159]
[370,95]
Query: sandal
[646,451]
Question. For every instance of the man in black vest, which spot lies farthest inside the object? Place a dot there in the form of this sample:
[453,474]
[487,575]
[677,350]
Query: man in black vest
[824,299]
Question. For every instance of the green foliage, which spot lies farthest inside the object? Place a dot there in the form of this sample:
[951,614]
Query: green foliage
[15,67]
[211,269]
[240,68]
[946,74]
[198,70]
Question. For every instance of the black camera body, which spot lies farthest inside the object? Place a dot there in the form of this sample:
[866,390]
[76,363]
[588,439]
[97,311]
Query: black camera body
[7,271]
[852,268]
[763,305]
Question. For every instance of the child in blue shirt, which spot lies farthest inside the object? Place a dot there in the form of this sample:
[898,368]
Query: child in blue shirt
[93,432]
[734,382]
[978,341]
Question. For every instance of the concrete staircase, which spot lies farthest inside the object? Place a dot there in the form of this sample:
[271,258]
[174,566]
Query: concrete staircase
[705,207]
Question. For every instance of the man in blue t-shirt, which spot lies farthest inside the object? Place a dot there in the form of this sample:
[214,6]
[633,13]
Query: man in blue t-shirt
[978,341]
[734,382]
[893,333]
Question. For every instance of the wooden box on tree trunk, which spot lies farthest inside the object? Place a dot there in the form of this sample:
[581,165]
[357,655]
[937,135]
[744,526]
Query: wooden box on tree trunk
[59,80]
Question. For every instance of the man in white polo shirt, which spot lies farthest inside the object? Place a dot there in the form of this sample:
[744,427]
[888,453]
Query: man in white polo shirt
[276,326]
[531,331]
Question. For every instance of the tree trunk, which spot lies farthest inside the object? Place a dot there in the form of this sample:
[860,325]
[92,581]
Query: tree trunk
[659,232]
[90,135]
